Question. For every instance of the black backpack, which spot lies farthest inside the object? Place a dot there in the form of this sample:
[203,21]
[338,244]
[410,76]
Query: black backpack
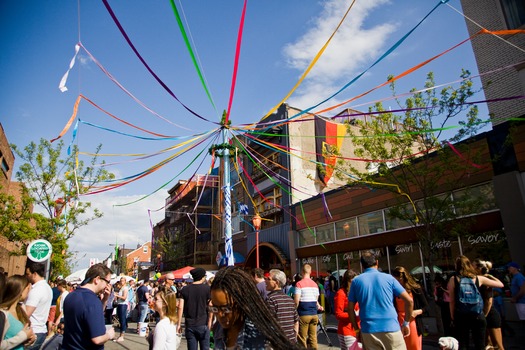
[468,298]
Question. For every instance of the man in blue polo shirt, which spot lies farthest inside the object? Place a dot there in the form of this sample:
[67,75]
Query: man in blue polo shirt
[83,310]
[375,291]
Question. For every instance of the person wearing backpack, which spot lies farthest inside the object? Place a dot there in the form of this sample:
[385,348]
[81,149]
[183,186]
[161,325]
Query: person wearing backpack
[494,337]
[466,303]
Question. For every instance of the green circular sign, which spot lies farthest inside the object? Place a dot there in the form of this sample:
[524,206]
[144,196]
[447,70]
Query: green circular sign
[39,250]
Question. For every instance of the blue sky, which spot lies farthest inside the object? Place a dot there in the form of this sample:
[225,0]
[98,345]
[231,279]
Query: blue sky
[280,39]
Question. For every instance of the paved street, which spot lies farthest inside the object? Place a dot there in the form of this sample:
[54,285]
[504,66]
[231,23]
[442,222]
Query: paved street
[134,342]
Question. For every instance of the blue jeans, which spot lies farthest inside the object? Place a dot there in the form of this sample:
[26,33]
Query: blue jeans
[143,311]
[122,311]
[198,335]
[40,337]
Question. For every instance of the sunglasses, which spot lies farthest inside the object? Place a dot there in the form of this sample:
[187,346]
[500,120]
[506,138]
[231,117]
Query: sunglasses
[225,309]
[105,280]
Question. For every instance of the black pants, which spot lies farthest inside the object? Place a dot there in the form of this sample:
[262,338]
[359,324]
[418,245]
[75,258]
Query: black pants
[471,323]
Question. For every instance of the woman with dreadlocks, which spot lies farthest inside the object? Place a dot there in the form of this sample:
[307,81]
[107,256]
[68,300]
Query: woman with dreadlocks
[244,320]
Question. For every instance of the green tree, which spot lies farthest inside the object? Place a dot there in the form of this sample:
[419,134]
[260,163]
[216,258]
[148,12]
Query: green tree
[16,216]
[55,181]
[410,155]
[171,249]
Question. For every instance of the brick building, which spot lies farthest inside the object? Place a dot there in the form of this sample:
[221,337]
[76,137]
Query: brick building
[359,218]
[11,263]
[134,259]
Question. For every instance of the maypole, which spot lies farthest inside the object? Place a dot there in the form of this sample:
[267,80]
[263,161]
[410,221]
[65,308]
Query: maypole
[227,215]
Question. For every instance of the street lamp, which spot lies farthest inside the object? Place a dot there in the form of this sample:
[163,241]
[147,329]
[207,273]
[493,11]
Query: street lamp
[257,224]
[158,262]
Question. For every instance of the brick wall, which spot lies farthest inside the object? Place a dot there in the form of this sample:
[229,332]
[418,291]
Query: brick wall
[138,255]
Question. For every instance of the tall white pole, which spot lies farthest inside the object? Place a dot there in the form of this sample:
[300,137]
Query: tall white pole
[228,244]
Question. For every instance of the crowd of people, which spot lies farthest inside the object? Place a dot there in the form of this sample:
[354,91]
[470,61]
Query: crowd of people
[237,309]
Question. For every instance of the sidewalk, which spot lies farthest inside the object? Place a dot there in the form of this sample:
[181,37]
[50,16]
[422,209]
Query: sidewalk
[134,342]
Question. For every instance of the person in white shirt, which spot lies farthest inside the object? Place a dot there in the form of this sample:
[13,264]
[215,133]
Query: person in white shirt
[38,302]
[165,336]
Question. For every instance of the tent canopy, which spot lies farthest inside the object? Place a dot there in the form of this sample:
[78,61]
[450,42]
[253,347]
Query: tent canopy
[419,270]
[77,276]
[179,274]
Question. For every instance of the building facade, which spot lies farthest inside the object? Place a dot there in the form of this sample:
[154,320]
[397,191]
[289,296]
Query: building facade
[138,260]
[12,264]
[500,58]
[501,63]
[191,229]
[360,220]
[290,157]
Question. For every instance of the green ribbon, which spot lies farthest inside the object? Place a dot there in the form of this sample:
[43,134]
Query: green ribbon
[188,46]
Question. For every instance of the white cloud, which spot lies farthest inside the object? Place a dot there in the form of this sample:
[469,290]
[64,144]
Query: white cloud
[84,60]
[128,225]
[352,48]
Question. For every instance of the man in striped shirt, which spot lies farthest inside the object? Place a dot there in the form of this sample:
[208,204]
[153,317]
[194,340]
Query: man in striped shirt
[282,304]
[306,298]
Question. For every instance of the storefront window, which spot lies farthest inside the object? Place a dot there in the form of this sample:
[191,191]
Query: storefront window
[312,261]
[371,223]
[306,237]
[325,263]
[324,233]
[407,256]
[490,246]
[381,258]
[349,260]
[446,251]
[346,229]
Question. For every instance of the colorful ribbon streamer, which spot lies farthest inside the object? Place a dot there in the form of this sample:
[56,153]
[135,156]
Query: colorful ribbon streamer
[62,85]
[236,62]
[192,55]
[128,40]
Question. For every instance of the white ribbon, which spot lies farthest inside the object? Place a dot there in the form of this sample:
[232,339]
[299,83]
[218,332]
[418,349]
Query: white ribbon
[62,85]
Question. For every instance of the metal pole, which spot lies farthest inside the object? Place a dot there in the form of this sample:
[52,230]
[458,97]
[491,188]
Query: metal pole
[48,269]
[257,246]
[228,244]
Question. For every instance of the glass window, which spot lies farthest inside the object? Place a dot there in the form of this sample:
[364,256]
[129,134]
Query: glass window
[203,219]
[324,233]
[5,167]
[381,258]
[487,246]
[306,237]
[207,197]
[145,249]
[475,199]
[325,263]
[406,255]
[437,207]
[272,199]
[311,260]
[346,229]
[446,250]
[349,260]
[236,223]
[514,12]
[393,216]
[371,223]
